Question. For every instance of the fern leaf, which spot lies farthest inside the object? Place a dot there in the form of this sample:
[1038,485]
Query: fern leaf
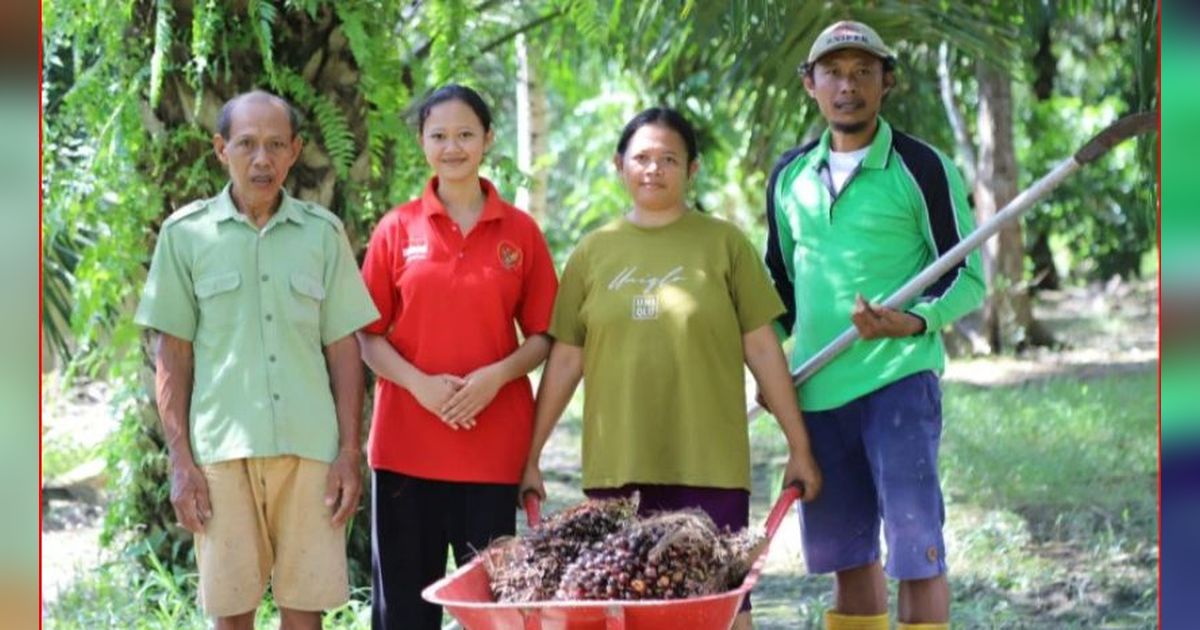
[308,6]
[335,134]
[586,18]
[205,20]
[355,30]
[336,137]
[263,16]
[164,12]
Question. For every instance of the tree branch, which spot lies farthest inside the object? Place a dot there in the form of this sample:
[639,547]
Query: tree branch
[957,122]
[519,30]
[485,5]
[423,51]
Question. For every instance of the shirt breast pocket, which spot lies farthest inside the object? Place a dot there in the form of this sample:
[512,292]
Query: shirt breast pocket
[308,293]
[217,299]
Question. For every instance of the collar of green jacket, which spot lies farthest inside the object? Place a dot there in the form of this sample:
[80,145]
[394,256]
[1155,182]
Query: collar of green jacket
[880,148]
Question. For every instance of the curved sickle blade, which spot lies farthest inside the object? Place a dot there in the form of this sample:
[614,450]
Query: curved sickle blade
[1116,133]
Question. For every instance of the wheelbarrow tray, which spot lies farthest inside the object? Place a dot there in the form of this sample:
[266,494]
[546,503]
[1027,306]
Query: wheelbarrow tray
[467,595]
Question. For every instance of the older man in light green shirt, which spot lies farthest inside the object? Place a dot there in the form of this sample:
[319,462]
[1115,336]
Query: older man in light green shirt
[259,306]
[257,296]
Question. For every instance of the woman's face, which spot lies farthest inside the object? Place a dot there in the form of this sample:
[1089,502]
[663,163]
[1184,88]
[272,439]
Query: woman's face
[655,168]
[454,141]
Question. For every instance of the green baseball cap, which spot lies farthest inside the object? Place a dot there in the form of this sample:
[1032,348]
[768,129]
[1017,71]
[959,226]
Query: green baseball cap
[848,34]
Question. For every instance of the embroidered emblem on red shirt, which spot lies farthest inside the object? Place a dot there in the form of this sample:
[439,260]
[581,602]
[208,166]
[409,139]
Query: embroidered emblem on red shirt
[510,255]
[416,250]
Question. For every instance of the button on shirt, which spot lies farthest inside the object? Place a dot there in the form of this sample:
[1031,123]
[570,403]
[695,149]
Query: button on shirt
[258,305]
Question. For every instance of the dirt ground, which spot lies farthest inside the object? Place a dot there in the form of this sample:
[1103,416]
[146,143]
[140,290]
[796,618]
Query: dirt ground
[71,528]
[1103,329]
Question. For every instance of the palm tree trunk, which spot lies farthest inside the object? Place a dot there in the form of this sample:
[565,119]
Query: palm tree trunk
[317,50]
[531,130]
[1008,313]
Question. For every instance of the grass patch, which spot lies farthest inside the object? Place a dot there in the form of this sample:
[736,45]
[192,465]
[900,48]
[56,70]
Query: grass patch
[1050,507]
[120,594]
[1051,493]
[1073,457]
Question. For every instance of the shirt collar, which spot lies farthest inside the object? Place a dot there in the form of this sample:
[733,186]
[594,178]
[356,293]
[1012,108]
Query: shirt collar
[289,208]
[493,206]
[878,151]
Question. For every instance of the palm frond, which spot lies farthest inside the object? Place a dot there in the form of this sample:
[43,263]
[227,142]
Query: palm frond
[263,16]
[164,12]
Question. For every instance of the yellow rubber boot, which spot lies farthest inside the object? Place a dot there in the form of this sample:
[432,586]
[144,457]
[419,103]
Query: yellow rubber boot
[838,621]
[923,626]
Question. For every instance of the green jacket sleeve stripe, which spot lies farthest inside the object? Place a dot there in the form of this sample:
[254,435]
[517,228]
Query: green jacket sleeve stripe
[948,217]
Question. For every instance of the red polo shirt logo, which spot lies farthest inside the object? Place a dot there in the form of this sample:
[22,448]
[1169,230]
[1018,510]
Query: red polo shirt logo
[417,250]
[510,255]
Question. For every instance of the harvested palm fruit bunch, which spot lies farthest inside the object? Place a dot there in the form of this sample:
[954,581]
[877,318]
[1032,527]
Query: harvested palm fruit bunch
[741,550]
[529,568]
[667,556]
[600,550]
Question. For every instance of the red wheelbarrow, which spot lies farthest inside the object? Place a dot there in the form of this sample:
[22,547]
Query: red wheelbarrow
[467,595]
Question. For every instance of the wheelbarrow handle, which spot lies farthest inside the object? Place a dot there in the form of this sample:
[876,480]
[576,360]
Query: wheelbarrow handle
[791,493]
[533,508]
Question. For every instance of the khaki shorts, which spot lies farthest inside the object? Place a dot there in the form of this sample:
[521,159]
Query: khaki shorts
[270,524]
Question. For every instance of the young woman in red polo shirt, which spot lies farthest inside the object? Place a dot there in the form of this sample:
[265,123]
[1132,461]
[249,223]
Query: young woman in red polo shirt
[453,274]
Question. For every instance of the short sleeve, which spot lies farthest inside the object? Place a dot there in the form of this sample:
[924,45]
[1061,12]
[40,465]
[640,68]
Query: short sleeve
[538,288]
[378,273]
[566,324]
[754,296]
[168,301]
[347,306]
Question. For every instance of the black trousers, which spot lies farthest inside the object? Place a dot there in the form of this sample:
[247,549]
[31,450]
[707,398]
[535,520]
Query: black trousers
[413,524]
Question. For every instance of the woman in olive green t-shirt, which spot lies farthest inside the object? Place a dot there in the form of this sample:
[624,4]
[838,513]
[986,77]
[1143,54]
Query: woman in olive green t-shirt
[658,311]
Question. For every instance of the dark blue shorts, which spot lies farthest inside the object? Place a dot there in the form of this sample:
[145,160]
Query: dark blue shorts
[878,457]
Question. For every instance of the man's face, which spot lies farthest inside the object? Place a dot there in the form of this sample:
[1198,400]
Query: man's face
[259,152]
[848,86]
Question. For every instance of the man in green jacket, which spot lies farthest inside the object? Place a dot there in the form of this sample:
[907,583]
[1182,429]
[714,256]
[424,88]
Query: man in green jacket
[852,217]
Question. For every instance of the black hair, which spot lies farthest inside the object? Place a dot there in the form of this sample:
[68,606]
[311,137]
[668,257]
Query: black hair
[225,119]
[666,117]
[455,92]
[889,65]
